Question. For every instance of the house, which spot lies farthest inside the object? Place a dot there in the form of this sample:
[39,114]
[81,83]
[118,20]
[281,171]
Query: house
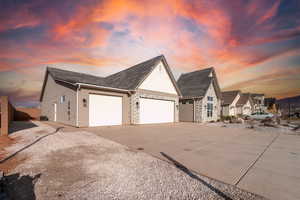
[201,96]
[258,101]
[142,94]
[229,101]
[289,106]
[245,104]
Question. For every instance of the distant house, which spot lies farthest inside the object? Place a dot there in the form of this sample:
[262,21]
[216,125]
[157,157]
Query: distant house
[258,102]
[245,104]
[142,94]
[201,96]
[229,101]
[289,106]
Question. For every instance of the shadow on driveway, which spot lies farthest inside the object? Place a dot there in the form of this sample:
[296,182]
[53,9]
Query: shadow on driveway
[19,126]
[19,187]
[188,172]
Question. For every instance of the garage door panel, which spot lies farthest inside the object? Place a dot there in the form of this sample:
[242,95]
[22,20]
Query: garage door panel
[105,110]
[156,111]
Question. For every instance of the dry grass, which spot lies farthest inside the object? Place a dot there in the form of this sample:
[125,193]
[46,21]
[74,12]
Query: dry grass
[5,142]
[12,163]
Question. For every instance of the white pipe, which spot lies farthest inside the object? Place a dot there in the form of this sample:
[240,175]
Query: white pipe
[77,104]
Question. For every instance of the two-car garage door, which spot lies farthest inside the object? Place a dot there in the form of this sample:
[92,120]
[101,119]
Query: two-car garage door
[156,111]
[107,110]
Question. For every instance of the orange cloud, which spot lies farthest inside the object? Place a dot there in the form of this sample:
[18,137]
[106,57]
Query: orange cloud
[263,79]
[270,13]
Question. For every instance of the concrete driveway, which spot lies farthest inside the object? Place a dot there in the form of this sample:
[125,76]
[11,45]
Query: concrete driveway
[266,163]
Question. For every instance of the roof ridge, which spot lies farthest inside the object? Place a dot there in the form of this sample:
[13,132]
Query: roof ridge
[136,65]
[208,68]
[232,91]
[54,68]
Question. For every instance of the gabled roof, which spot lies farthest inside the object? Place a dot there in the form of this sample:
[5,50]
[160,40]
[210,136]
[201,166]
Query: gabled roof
[244,98]
[196,83]
[132,77]
[128,79]
[75,77]
[229,96]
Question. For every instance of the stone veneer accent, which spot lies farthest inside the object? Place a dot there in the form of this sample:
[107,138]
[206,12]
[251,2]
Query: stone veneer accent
[134,114]
[135,118]
[198,110]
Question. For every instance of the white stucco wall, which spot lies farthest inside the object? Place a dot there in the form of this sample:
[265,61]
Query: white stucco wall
[232,107]
[247,110]
[159,80]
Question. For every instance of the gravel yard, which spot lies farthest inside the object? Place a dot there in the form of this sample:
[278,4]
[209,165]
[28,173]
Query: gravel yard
[82,165]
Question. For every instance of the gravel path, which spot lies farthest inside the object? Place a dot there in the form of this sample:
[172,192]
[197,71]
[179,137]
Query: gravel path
[81,165]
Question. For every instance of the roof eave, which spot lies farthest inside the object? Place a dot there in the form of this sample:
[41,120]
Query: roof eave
[104,88]
[191,97]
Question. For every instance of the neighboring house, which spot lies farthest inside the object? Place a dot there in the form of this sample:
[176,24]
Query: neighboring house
[289,106]
[144,93]
[201,96]
[229,101]
[245,104]
[258,101]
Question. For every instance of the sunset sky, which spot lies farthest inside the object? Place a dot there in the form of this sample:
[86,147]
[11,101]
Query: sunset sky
[253,45]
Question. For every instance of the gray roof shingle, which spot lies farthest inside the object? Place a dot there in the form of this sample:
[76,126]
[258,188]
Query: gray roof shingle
[229,96]
[75,77]
[128,79]
[195,84]
[243,99]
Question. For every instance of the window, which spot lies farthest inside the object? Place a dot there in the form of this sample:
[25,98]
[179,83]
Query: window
[209,109]
[160,68]
[62,99]
[210,98]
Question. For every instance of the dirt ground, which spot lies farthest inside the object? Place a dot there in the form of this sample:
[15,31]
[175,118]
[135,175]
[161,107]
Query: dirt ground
[4,143]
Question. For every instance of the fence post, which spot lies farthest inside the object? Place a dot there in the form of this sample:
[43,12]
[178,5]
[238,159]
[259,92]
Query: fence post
[4,116]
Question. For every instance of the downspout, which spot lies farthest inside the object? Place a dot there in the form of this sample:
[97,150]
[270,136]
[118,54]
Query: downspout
[77,106]
[194,111]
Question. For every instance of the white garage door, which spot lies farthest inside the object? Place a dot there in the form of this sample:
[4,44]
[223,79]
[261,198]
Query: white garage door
[105,110]
[156,111]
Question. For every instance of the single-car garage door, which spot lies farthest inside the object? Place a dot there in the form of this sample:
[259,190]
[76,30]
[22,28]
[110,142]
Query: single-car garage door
[105,110]
[156,111]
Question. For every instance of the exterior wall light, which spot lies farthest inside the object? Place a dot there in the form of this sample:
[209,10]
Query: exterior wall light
[84,102]
[137,105]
